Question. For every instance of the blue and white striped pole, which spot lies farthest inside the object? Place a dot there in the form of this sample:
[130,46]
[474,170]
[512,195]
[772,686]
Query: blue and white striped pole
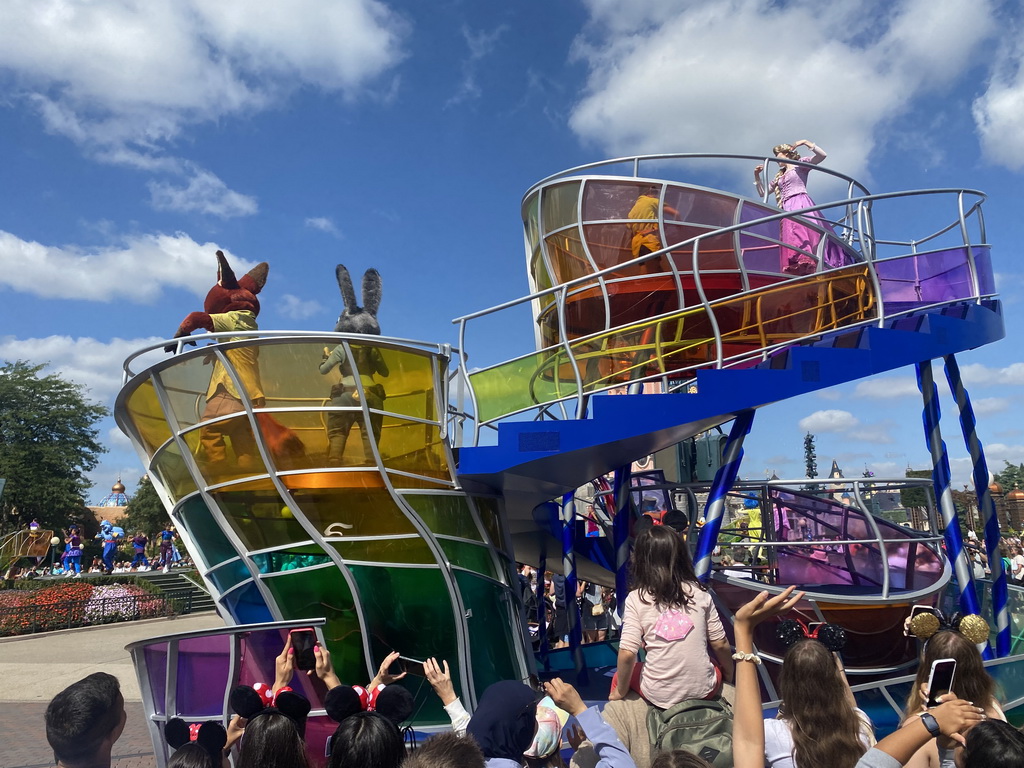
[1000,596]
[572,607]
[943,492]
[714,510]
[620,530]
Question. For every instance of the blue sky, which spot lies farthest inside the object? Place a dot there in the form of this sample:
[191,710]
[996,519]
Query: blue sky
[139,137]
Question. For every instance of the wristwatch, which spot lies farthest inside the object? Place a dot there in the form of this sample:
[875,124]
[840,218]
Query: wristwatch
[930,723]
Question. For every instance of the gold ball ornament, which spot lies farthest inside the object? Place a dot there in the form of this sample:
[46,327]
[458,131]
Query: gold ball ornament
[974,628]
[924,625]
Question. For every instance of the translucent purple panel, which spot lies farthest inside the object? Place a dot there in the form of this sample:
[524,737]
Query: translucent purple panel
[926,278]
[698,206]
[609,199]
[756,242]
[983,267]
[202,675]
[156,668]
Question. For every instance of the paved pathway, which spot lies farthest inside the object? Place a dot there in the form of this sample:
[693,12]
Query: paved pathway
[34,668]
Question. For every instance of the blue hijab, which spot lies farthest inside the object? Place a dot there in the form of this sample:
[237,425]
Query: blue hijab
[505,720]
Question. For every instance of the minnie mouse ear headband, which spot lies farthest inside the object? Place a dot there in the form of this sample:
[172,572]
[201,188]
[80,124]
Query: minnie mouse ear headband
[832,636]
[390,701]
[250,702]
[211,736]
[927,621]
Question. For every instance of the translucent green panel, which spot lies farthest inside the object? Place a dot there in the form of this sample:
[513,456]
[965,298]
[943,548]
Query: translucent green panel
[225,450]
[260,518]
[491,625]
[227,576]
[290,559]
[203,531]
[324,592]
[411,446]
[147,417]
[413,551]
[530,214]
[353,511]
[559,205]
[445,514]
[409,610]
[515,385]
[170,468]
[490,516]
[469,556]
[566,256]
[186,383]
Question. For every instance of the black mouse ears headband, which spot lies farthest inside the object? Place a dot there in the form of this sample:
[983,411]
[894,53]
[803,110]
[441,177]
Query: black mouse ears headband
[211,736]
[832,636]
[249,702]
[390,701]
[928,621]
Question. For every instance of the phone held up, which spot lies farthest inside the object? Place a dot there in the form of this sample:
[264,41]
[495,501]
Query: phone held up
[940,680]
[407,665]
[303,642]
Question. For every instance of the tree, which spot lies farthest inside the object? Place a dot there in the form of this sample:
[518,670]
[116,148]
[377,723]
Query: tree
[145,511]
[1011,477]
[47,444]
[915,497]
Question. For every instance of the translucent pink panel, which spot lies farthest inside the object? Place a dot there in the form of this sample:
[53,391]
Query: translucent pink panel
[698,206]
[611,199]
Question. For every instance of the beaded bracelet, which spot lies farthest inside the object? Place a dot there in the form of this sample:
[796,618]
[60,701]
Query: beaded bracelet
[751,657]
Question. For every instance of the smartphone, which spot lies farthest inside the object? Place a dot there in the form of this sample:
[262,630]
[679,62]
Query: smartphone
[412,666]
[940,680]
[303,642]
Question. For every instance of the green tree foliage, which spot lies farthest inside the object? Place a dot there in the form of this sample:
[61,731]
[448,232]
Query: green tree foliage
[1011,477]
[47,444]
[145,511]
[915,497]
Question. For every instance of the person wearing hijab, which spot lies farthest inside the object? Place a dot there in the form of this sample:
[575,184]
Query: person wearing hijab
[504,723]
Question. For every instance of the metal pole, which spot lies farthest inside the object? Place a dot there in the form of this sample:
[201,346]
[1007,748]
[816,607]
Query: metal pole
[569,569]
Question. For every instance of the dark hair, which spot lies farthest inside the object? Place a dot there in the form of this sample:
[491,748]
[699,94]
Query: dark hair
[826,730]
[659,566]
[993,744]
[447,750]
[972,681]
[680,758]
[366,739]
[271,740]
[81,716]
[191,755]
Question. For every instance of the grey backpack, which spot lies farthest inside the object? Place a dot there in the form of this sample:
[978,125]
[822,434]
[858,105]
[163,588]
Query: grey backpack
[700,726]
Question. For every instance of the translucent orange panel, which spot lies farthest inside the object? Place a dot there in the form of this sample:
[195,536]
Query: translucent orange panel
[566,256]
[559,205]
[414,447]
[170,468]
[352,511]
[260,517]
[147,417]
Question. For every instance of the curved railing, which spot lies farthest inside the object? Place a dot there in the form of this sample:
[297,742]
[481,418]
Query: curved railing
[738,324]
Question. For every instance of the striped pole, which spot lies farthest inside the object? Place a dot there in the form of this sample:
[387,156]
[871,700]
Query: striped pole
[620,531]
[569,569]
[714,510]
[1000,596]
[943,493]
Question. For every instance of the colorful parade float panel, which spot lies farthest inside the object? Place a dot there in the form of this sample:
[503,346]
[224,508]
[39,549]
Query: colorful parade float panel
[660,309]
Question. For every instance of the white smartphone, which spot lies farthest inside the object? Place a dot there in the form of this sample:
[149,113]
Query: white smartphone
[940,680]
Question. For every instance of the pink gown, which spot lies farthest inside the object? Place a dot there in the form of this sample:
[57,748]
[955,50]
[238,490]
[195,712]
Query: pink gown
[792,186]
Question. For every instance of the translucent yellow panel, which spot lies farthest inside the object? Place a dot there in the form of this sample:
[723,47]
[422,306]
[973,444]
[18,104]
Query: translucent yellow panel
[541,275]
[409,385]
[530,213]
[352,511]
[280,432]
[147,417]
[559,205]
[186,383]
[225,450]
[291,373]
[260,518]
[446,514]
[566,256]
[410,446]
[406,482]
[412,551]
[170,468]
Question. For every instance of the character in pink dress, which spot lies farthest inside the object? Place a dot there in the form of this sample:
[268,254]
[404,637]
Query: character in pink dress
[790,188]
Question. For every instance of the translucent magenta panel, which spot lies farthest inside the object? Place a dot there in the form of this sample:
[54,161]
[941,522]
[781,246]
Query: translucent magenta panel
[609,245]
[353,511]
[204,532]
[445,514]
[291,559]
[713,252]
[412,551]
[202,675]
[698,206]
[469,556]
[491,625]
[156,670]
[566,256]
[558,205]
[147,417]
[414,447]
[174,476]
[325,592]
[247,606]
[410,610]
[225,450]
[186,384]
[605,199]
[229,575]
[259,516]
[531,210]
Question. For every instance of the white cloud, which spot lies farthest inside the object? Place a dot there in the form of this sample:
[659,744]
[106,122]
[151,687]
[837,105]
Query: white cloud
[828,421]
[204,193]
[978,374]
[741,75]
[95,365]
[324,224]
[987,406]
[118,440]
[999,112]
[123,78]
[880,434]
[155,262]
[298,309]
[480,44]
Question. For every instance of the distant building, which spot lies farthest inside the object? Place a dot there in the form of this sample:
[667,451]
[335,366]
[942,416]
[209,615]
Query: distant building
[112,507]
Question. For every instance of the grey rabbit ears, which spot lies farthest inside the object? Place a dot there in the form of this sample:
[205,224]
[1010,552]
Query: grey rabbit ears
[355,318]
